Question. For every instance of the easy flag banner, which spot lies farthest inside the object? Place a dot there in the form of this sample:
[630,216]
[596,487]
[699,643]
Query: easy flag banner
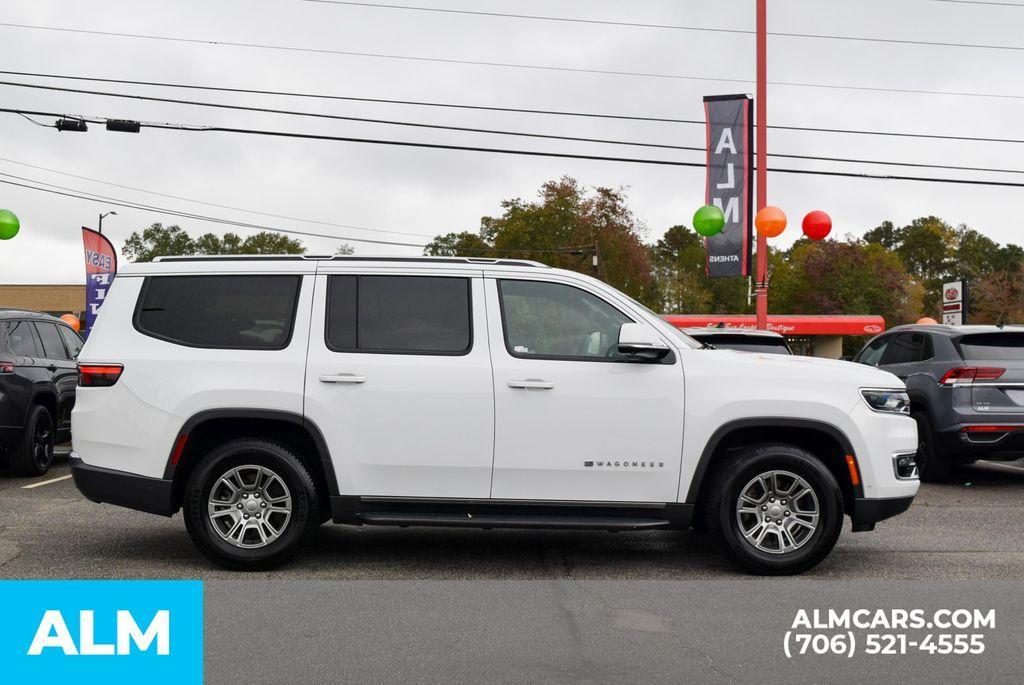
[100,269]
[730,167]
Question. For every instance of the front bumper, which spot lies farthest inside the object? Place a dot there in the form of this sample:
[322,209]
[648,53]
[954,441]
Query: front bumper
[867,512]
[153,495]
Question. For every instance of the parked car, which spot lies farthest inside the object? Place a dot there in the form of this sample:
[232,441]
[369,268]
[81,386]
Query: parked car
[966,387]
[37,388]
[263,396]
[742,339]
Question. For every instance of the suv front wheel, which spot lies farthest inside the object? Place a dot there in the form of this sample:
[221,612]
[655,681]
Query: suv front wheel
[775,509]
[250,505]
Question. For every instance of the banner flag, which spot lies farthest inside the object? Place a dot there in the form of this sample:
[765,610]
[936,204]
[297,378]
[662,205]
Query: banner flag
[730,170]
[100,269]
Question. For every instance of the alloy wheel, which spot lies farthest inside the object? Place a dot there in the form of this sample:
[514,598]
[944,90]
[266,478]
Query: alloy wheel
[42,444]
[777,512]
[249,506]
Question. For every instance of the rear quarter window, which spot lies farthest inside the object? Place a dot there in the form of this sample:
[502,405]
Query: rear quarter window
[992,347]
[237,312]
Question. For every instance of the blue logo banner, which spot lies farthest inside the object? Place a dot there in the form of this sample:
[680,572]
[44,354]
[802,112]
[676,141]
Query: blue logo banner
[101,631]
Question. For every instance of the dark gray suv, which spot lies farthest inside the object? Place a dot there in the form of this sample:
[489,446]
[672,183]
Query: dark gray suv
[966,387]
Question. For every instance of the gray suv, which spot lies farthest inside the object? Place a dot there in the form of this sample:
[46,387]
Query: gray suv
[966,386]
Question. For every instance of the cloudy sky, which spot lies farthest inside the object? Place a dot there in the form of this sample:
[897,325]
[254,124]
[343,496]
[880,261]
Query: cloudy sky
[424,192]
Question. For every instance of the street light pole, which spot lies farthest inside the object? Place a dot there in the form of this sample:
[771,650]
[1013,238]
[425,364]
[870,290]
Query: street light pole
[99,227]
[761,284]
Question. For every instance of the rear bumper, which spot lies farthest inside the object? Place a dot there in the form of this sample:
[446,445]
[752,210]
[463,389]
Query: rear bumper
[956,443]
[867,512]
[153,495]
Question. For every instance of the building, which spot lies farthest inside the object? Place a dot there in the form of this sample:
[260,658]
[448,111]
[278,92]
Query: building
[52,299]
[816,336]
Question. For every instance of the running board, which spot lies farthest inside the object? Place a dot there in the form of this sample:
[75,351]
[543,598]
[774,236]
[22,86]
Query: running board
[511,521]
[509,514]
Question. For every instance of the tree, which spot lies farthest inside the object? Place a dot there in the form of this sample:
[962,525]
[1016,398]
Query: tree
[344,250]
[998,297]
[682,283]
[565,228]
[844,277]
[157,240]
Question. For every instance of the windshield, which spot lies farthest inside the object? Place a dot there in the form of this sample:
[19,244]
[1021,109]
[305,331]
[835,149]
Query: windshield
[745,343]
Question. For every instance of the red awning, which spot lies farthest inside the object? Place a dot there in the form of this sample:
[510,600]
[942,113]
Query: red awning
[786,324]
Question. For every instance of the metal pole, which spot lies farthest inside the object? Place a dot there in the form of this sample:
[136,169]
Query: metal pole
[762,160]
[99,227]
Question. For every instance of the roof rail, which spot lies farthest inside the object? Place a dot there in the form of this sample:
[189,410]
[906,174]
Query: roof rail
[345,258]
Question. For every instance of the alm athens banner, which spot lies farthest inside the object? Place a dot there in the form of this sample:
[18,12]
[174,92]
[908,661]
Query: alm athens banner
[100,269]
[730,175]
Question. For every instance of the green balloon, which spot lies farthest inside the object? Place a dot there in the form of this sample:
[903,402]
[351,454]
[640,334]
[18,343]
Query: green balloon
[708,221]
[9,225]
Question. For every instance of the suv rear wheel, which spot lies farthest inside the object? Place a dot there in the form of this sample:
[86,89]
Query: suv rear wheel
[33,456]
[250,505]
[775,509]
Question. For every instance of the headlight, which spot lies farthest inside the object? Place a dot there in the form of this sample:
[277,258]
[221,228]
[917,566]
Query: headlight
[889,401]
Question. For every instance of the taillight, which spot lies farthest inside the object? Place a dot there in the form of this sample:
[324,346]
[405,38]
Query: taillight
[969,374]
[6,367]
[98,375]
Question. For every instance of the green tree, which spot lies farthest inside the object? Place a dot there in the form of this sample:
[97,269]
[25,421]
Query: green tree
[682,283]
[458,244]
[158,240]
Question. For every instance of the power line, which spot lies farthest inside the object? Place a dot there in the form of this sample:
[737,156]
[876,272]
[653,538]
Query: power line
[511,65]
[678,27]
[516,110]
[200,202]
[506,151]
[94,197]
[981,2]
[604,141]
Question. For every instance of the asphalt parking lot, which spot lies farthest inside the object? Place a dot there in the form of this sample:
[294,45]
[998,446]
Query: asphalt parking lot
[388,604]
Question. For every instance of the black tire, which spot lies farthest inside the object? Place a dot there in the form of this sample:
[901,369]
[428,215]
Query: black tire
[932,465]
[296,530]
[33,456]
[730,479]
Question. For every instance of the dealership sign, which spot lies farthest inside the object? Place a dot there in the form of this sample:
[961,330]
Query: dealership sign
[100,269]
[954,303]
[730,164]
[786,324]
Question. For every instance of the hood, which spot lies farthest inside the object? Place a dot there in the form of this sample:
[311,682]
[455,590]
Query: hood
[826,370]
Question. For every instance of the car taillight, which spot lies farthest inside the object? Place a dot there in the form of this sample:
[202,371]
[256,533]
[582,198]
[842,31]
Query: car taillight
[969,374]
[6,367]
[98,375]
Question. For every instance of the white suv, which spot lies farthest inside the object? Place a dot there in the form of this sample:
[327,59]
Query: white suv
[264,396]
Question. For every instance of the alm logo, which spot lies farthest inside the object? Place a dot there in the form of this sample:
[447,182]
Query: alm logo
[101,631]
[53,633]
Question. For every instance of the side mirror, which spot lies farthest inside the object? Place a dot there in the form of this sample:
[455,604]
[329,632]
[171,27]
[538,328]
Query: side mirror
[637,340]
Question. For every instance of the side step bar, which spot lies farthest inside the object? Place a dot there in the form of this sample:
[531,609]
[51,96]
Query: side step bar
[377,511]
[511,521]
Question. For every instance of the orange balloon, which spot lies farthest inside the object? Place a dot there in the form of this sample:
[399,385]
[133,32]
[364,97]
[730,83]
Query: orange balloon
[770,222]
[928,321]
[72,320]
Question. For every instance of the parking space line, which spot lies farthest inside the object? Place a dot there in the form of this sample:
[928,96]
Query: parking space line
[45,482]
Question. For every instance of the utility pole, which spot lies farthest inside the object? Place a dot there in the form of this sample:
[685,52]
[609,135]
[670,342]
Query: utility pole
[761,285]
[99,227]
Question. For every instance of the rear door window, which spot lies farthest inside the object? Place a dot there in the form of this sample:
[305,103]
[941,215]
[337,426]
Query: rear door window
[907,348]
[399,314]
[993,347]
[53,346]
[240,312]
[21,340]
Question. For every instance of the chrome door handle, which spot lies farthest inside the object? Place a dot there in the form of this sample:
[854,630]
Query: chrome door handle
[342,378]
[532,384]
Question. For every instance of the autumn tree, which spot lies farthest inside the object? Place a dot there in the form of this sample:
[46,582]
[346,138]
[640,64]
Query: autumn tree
[681,280]
[565,227]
